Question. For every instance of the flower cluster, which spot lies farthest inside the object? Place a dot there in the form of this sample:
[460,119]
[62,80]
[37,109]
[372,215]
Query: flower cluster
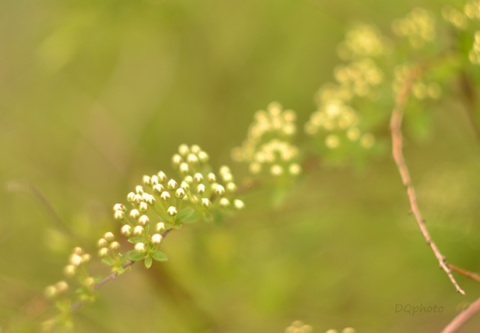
[474,54]
[345,330]
[162,203]
[421,89]
[268,148]
[298,327]
[359,77]
[77,271]
[418,27]
[337,124]
[362,41]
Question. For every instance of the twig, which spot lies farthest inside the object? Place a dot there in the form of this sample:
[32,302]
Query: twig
[471,275]
[397,151]
[462,317]
[77,305]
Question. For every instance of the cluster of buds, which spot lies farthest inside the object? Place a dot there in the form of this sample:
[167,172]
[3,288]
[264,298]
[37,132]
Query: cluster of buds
[298,327]
[336,125]
[359,76]
[474,54]
[362,41]
[77,271]
[421,89]
[418,27]
[268,148]
[162,203]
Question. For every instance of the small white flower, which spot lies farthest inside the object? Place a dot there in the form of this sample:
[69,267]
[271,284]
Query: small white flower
[61,286]
[203,156]
[139,189]
[295,169]
[86,257]
[158,188]
[131,197]
[231,187]
[143,207]
[276,170]
[165,195]
[192,158]
[195,149]
[188,179]
[184,167]
[219,190]
[183,149]
[156,238]
[154,180]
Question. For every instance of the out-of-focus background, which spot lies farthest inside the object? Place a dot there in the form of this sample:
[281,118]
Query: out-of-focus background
[94,94]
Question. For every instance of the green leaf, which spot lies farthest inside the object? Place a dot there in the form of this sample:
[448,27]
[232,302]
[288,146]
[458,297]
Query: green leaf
[136,239]
[135,255]
[108,261]
[159,256]
[187,214]
[148,262]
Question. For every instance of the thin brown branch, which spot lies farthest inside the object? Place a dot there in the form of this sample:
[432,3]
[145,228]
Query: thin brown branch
[471,275]
[397,151]
[462,317]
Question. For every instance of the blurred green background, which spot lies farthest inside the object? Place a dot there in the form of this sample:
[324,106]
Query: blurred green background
[94,94]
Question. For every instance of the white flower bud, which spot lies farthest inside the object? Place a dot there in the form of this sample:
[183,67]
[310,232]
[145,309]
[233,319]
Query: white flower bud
[139,189]
[172,184]
[198,177]
[50,292]
[205,202]
[192,158]
[239,204]
[172,211]
[224,170]
[184,185]
[134,213]
[219,189]
[143,207]
[103,252]
[231,187]
[156,238]
[131,197]
[119,206]
[165,195]
[114,246]
[211,177]
[119,215]
[162,176]
[224,202]
[188,179]
[195,149]
[183,149]
[69,270]
[203,156]
[176,159]
[201,188]
[184,167]
[157,188]
[276,170]
[180,193]
[138,230]
[140,247]
[295,169]
[89,281]
[109,236]
[146,180]
[126,230]
[61,286]
[77,250]
[102,242]
[160,227]
[86,257]
[143,220]
[154,180]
